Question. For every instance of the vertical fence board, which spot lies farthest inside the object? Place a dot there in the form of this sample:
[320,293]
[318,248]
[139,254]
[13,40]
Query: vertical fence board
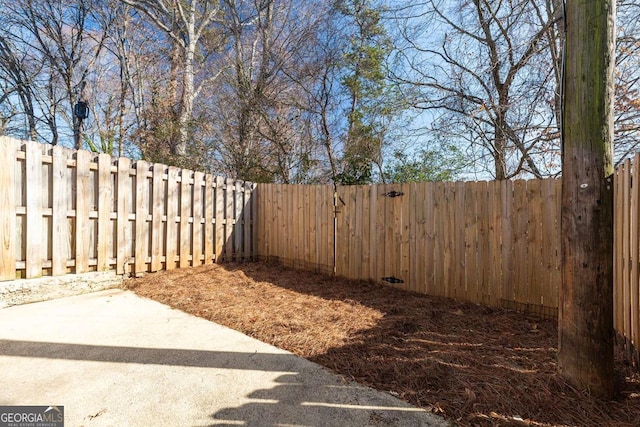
[453,219]
[82,211]
[389,222]
[34,225]
[272,225]
[462,240]
[393,219]
[506,192]
[312,218]
[105,205]
[142,213]
[378,222]
[323,223]
[355,231]
[468,264]
[319,217]
[229,190]
[296,256]
[557,272]
[249,217]
[617,235]
[430,237]
[405,261]
[550,238]
[124,234]
[373,250]
[483,239]
[626,249]
[157,214]
[278,222]
[535,276]
[494,258]
[197,247]
[186,189]
[219,219]
[238,220]
[303,224]
[342,227]
[363,261]
[61,239]
[395,233]
[295,248]
[289,243]
[548,247]
[634,308]
[209,215]
[262,221]
[520,221]
[8,211]
[438,284]
[416,227]
[254,223]
[287,225]
[173,197]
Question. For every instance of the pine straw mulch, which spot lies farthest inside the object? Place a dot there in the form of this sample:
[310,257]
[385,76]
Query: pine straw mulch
[473,365]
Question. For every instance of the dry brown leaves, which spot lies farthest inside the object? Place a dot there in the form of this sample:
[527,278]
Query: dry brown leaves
[474,365]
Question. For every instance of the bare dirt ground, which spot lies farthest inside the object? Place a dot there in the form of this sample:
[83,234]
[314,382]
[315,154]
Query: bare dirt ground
[474,365]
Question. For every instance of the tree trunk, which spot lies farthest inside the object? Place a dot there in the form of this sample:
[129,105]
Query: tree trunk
[186,111]
[585,328]
[188,88]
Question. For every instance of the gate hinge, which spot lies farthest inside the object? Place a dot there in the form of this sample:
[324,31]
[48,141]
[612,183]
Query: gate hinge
[392,280]
[394,194]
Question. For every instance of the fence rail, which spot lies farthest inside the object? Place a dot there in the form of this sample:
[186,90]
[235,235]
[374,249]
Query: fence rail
[66,211]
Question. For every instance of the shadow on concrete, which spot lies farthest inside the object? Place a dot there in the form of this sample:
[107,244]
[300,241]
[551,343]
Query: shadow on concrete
[304,393]
[149,356]
[299,400]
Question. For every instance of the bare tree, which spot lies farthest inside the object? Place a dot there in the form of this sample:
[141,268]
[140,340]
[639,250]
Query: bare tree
[488,77]
[16,82]
[185,23]
[57,44]
[261,125]
[627,80]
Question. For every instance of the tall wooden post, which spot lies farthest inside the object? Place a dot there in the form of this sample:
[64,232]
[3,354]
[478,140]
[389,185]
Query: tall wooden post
[585,325]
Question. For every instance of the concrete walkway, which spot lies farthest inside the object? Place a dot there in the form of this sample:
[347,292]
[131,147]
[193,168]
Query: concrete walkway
[112,358]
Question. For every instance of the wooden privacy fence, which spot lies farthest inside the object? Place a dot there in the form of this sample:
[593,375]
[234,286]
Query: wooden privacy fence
[495,243]
[626,271]
[296,224]
[65,211]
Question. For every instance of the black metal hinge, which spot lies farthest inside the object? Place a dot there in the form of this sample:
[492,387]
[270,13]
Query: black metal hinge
[394,194]
[392,280]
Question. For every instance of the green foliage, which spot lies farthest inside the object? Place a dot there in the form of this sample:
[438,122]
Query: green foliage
[364,79]
[357,171]
[425,165]
[105,145]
